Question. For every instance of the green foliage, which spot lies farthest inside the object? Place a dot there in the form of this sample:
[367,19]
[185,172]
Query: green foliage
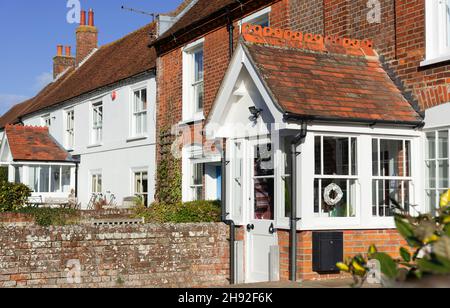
[47,217]
[3,174]
[13,196]
[428,237]
[191,212]
[169,182]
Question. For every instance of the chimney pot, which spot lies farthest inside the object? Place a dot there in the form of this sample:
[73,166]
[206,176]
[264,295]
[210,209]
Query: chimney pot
[59,52]
[68,51]
[83,18]
[91,18]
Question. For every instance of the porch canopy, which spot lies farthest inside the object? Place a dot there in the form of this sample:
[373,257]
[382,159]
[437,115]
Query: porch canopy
[36,159]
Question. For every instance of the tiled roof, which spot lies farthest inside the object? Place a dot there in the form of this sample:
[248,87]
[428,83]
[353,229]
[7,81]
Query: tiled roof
[127,57]
[29,143]
[312,77]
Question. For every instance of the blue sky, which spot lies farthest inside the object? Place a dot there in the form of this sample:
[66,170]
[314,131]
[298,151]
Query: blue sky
[30,31]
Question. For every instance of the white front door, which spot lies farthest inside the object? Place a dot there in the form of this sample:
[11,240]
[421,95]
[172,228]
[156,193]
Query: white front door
[261,235]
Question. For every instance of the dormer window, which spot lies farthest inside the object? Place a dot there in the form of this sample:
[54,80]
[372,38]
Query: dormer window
[437,31]
[261,18]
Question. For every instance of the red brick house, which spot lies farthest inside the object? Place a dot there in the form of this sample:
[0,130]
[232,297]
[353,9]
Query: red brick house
[363,88]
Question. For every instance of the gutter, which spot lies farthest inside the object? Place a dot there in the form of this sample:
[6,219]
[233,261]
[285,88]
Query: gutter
[291,117]
[228,222]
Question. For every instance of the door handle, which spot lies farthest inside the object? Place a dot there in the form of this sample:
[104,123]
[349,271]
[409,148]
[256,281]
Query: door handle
[250,227]
[272,229]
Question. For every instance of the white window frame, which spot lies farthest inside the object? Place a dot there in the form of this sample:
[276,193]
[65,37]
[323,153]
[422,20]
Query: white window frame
[27,173]
[403,179]
[95,175]
[140,172]
[97,128]
[190,111]
[141,114]
[69,128]
[437,190]
[256,17]
[349,177]
[437,36]
[46,120]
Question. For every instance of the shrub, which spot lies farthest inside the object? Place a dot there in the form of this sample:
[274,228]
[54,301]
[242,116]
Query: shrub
[47,217]
[191,212]
[13,196]
[3,174]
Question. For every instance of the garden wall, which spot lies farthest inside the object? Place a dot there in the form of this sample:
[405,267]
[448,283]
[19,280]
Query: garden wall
[184,255]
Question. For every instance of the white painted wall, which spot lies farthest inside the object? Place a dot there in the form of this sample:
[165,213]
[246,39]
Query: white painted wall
[119,152]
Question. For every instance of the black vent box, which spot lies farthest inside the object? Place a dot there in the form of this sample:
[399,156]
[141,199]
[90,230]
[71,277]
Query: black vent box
[328,250]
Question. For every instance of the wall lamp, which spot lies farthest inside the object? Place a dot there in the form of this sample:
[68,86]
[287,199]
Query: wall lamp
[256,112]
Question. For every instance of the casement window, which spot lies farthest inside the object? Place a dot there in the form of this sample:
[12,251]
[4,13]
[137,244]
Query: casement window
[46,120]
[336,177]
[97,123]
[140,106]
[196,186]
[261,18]
[437,31]
[141,185]
[437,167]
[70,128]
[96,183]
[193,81]
[392,180]
[49,179]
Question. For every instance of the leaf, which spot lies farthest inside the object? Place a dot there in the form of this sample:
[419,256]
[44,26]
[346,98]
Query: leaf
[405,254]
[388,265]
[372,250]
[406,230]
[432,267]
[442,247]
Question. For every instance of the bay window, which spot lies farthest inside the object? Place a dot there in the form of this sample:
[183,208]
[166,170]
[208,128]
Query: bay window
[392,179]
[140,105]
[336,177]
[436,167]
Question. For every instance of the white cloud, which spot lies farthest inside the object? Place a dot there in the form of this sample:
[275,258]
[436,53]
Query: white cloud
[9,100]
[42,81]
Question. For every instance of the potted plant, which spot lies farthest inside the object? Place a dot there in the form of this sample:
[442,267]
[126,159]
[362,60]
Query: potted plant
[425,263]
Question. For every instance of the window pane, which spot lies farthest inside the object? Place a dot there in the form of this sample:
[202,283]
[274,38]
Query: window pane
[56,179]
[198,174]
[430,201]
[288,177]
[431,146]
[199,96]
[336,156]
[263,160]
[144,99]
[443,144]
[34,178]
[65,179]
[264,198]
[44,179]
[375,158]
[338,197]
[443,174]
[318,154]
[389,191]
[18,174]
[392,158]
[354,149]
[198,56]
[430,174]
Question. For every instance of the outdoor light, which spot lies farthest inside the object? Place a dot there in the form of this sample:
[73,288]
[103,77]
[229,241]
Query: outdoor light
[256,112]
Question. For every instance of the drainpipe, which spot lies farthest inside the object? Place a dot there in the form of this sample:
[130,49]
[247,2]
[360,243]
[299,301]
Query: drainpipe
[300,138]
[230,29]
[228,222]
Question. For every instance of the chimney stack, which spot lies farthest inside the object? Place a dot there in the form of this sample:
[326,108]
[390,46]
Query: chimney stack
[62,62]
[87,36]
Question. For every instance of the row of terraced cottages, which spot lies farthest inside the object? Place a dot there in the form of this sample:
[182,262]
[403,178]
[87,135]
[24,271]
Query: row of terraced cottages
[305,117]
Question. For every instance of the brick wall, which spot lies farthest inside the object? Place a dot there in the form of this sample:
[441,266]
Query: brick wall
[306,16]
[355,242]
[185,255]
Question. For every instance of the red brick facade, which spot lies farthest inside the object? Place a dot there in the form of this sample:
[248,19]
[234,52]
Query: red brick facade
[355,242]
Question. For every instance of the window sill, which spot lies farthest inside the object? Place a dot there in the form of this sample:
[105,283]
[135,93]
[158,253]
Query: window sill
[436,60]
[137,138]
[95,145]
[199,117]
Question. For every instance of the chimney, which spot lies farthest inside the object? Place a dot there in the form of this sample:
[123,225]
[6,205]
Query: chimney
[87,36]
[62,62]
